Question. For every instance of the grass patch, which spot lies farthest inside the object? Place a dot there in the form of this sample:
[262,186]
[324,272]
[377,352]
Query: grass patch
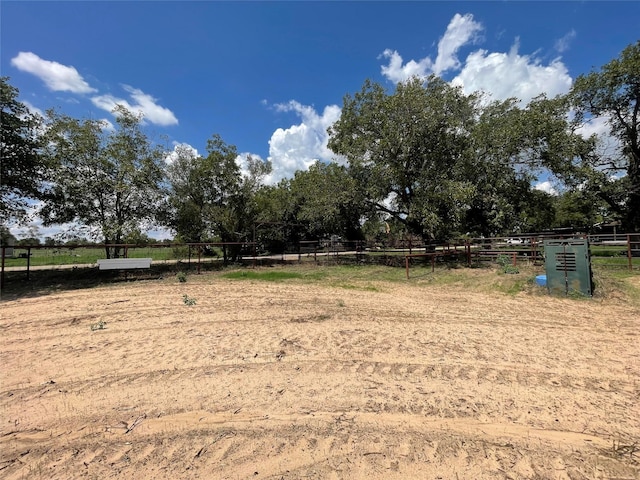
[339,276]
[608,251]
[267,276]
[88,255]
[621,285]
[513,286]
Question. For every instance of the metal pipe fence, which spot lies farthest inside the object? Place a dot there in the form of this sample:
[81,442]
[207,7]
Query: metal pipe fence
[607,251]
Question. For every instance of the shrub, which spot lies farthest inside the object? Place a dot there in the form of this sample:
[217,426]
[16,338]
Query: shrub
[505,262]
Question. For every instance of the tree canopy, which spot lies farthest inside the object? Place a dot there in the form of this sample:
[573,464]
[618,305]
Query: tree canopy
[444,163]
[613,93]
[210,199]
[407,151]
[109,183]
[22,168]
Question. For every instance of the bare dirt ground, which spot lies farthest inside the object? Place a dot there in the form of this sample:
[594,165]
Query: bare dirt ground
[290,380]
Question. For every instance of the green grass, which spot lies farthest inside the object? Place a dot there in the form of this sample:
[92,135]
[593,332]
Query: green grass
[608,251]
[82,255]
[268,276]
[487,278]
[615,262]
[373,278]
[348,277]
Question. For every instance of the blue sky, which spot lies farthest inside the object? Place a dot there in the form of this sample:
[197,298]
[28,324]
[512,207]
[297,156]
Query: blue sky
[269,77]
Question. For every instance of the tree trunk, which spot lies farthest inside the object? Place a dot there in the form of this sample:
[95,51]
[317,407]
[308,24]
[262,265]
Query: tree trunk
[225,256]
[633,206]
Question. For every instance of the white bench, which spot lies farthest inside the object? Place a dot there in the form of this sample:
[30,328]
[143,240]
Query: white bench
[123,263]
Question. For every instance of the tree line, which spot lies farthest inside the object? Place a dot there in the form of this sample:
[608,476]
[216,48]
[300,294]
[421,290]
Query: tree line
[424,159]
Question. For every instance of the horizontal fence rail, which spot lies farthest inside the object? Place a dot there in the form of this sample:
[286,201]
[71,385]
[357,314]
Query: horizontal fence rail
[607,251]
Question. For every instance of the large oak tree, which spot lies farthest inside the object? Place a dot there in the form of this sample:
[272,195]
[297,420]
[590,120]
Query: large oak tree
[443,163]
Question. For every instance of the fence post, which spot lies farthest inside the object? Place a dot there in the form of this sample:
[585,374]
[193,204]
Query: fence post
[28,261]
[2,274]
[629,252]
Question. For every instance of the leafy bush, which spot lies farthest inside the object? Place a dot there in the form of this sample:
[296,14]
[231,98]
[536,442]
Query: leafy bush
[505,263]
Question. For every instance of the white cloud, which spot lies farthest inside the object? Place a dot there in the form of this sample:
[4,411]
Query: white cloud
[397,72]
[562,44]
[60,77]
[36,227]
[461,30]
[108,102]
[242,160]
[500,75]
[299,146]
[152,111]
[142,103]
[547,187]
[161,234]
[180,150]
[56,76]
[504,75]
[597,125]
[608,147]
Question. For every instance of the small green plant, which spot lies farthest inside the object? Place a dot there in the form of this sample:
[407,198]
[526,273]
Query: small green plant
[505,262]
[101,325]
[341,303]
[181,276]
[188,300]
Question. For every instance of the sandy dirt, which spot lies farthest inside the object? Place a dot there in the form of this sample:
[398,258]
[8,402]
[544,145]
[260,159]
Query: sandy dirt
[287,381]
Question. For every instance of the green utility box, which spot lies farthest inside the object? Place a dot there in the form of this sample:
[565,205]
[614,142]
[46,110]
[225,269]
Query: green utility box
[568,265]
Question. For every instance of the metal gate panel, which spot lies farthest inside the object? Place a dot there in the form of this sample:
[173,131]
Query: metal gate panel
[568,265]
